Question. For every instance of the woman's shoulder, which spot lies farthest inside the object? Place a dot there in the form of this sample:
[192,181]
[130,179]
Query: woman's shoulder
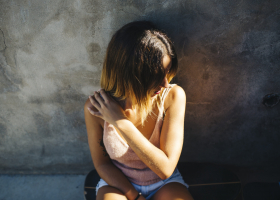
[177,91]
[175,95]
[89,105]
[89,115]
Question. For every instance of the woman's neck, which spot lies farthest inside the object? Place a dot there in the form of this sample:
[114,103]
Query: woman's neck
[128,104]
[125,103]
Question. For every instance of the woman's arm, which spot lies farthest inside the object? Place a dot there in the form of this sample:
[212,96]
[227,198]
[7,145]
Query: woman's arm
[161,160]
[101,160]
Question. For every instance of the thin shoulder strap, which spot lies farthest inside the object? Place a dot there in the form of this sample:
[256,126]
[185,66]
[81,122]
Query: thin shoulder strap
[165,91]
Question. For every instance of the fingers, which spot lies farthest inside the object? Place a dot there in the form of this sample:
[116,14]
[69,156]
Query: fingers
[94,102]
[104,95]
[98,101]
[100,97]
[96,105]
[97,114]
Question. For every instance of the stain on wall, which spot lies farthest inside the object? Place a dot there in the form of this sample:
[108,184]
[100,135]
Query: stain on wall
[3,133]
[51,56]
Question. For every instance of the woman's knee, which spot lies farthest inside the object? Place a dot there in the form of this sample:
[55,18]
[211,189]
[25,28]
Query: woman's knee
[109,193]
[173,191]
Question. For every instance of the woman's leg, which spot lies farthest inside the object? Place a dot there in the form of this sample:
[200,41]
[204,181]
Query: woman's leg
[109,193]
[173,191]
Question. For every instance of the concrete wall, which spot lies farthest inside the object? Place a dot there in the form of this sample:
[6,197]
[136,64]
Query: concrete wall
[51,54]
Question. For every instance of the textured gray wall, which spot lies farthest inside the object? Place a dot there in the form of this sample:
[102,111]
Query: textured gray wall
[51,54]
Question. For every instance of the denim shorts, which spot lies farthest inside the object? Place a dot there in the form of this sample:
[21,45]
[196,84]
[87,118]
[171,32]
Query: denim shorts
[149,190]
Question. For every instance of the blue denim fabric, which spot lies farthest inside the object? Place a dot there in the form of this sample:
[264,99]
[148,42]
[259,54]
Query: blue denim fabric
[149,190]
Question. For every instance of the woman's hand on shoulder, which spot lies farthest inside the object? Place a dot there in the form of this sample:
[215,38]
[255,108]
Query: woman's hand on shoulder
[94,127]
[88,109]
[105,107]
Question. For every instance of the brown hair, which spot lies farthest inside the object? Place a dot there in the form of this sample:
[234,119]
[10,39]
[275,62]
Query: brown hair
[133,64]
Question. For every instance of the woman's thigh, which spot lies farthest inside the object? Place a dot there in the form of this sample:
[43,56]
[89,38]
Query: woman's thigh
[172,191]
[109,193]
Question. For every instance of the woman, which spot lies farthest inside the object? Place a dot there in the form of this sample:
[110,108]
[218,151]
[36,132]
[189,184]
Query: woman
[135,123]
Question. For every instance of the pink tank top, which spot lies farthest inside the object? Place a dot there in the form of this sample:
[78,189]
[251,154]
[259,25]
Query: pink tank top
[125,158]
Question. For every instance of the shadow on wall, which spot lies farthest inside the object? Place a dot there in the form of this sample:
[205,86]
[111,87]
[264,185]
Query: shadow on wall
[229,60]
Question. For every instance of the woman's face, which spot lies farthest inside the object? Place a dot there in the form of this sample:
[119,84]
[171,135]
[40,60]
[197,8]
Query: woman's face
[167,63]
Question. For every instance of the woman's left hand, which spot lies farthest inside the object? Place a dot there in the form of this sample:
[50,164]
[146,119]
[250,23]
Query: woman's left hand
[108,108]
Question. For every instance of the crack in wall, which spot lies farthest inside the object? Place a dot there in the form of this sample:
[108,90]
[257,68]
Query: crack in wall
[15,59]
[3,70]
[5,46]
[8,78]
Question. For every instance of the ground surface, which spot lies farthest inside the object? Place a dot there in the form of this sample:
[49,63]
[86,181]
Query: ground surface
[70,187]
[43,187]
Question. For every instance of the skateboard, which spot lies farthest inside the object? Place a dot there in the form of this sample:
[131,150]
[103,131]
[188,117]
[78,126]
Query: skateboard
[91,181]
[206,181]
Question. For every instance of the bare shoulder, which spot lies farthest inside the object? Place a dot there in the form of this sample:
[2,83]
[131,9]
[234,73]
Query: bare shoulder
[176,95]
[90,117]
